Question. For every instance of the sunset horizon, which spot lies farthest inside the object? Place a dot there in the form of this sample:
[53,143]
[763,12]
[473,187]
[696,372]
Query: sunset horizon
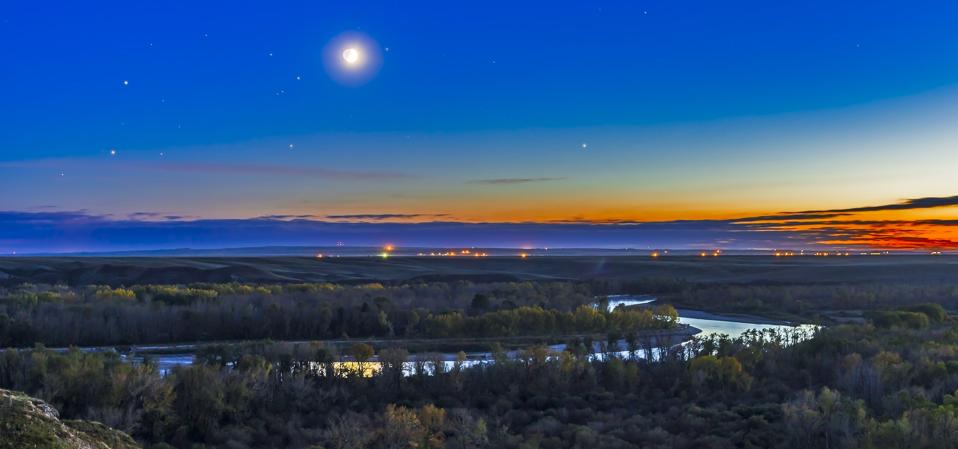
[658,125]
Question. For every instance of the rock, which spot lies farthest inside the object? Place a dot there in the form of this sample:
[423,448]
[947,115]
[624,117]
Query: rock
[29,423]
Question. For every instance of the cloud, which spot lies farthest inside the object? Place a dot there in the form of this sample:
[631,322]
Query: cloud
[379,217]
[80,230]
[286,217]
[792,216]
[136,215]
[914,203]
[39,232]
[501,181]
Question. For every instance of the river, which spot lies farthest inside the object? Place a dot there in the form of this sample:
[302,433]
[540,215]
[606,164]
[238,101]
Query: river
[166,357]
[709,323]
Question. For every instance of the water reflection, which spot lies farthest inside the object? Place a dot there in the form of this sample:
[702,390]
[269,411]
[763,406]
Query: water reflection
[709,324]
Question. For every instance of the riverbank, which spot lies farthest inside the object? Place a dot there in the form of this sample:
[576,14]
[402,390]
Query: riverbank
[413,345]
[735,317]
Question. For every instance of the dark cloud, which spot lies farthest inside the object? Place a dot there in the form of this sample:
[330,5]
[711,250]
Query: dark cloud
[792,216]
[72,231]
[499,181]
[938,222]
[914,203]
[286,217]
[145,214]
[39,232]
[380,217]
[157,216]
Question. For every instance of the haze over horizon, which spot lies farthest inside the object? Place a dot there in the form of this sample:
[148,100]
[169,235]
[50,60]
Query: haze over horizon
[607,125]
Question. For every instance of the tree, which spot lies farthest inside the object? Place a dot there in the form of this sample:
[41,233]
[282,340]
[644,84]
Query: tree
[361,353]
[348,431]
[480,303]
[199,397]
[402,428]
[393,362]
[467,431]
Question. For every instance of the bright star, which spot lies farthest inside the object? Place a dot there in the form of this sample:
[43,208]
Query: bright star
[585,145]
[113,152]
[126,83]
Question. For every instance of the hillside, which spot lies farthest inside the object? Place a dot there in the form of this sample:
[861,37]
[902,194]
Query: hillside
[28,423]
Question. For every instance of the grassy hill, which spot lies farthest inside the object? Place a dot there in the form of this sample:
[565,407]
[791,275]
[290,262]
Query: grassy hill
[28,423]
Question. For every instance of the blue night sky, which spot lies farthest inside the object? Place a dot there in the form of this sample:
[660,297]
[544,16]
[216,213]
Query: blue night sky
[574,119]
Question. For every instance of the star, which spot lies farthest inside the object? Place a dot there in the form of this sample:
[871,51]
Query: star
[112,151]
[585,145]
[298,77]
[270,54]
[126,83]
[290,146]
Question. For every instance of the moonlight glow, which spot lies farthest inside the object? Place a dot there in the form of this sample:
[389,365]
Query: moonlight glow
[351,56]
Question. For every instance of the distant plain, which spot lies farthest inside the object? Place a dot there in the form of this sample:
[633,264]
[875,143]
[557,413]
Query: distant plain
[723,269]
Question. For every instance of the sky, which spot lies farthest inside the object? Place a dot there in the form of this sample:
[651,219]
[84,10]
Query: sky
[691,124]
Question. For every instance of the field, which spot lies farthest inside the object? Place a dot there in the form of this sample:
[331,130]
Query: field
[724,269]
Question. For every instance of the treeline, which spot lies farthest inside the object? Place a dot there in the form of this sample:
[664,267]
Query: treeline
[806,299]
[97,316]
[851,386]
[428,295]
[539,321]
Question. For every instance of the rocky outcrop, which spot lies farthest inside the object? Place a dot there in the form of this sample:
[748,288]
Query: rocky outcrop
[29,423]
